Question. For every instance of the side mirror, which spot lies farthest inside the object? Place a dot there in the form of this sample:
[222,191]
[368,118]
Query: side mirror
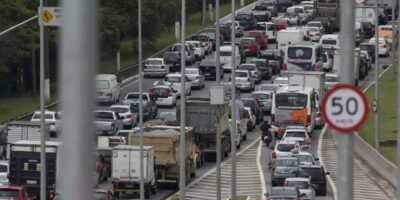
[266,194]
[316,159]
[303,195]
[327,173]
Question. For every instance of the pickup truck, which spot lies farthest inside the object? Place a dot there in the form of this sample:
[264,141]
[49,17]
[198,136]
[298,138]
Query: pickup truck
[262,13]
[246,20]
[107,122]
[149,104]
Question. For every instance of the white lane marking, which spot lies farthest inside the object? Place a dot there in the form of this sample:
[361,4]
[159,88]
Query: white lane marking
[261,171]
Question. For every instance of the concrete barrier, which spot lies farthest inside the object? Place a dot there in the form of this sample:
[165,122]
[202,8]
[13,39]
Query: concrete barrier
[380,164]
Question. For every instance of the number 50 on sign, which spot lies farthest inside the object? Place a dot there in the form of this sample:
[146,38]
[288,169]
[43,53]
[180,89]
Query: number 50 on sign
[344,108]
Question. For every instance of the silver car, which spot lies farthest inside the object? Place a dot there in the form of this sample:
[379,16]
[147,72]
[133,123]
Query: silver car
[196,77]
[265,99]
[252,68]
[331,79]
[128,116]
[283,168]
[244,81]
[304,185]
[155,67]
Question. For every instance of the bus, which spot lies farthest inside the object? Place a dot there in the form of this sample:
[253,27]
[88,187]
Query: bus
[295,103]
[303,57]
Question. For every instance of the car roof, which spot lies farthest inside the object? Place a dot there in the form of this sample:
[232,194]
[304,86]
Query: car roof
[247,38]
[241,71]
[286,158]
[297,179]
[313,166]
[263,92]
[105,76]
[159,59]
[46,112]
[119,106]
[174,75]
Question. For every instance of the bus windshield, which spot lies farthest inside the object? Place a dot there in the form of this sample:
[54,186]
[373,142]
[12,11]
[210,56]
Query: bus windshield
[291,100]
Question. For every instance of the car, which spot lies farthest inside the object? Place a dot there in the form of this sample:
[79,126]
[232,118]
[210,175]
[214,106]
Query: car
[252,68]
[318,177]
[255,107]
[155,67]
[252,47]
[305,158]
[282,168]
[281,126]
[262,66]
[304,186]
[267,87]
[369,30]
[260,37]
[292,19]
[251,122]
[314,33]
[212,34]
[50,117]
[14,192]
[331,79]
[294,132]
[244,80]
[149,104]
[275,67]
[238,28]
[370,48]
[365,59]
[128,115]
[209,69]
[196,77]
[225,57]
[327,24]
[281,81]
[262,12]
[246,20]
[281,24]
[271,5]
[108,88]
[174,81]
[282,149]
[383,49]
[284,4]
[199,51]
[317,24]
[274,54]
[279,193]
[265,100]
[4,170]
[107,122]
[270,30]
[327,61]
[164,95]
[205,42]
[242,50]
[172,59]
[300,10]
[189,52]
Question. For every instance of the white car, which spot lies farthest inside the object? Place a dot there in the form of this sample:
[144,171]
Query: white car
[331,80]
[304,185]
[199,50]
[155,67]
[300,11]
[196,77]
[281,81]
[282,149]
[383,46]
[4,170]
[316,24]
[128,116]
[165,96]
[238,28]
[50,117]
[244,80]
[327,61]
[269,28]
[294,132]
[314,33]
[252,68]
[251,123]
[174,81]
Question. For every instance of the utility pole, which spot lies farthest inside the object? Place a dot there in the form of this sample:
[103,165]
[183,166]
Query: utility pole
[346,146]
[233,111]
[377,95]
[140,98]
[398,114]
[182,153]
[394,40]
[218,74]
[46,60]
[33,61]
[118,60]
[203,11]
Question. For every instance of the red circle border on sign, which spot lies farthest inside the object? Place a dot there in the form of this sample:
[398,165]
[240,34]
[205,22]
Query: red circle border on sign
[356,126]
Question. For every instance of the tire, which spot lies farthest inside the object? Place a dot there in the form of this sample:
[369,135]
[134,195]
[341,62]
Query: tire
[154,188]
[116,194]
[147,190]
[244,137]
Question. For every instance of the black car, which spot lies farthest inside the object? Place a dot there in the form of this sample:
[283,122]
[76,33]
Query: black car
[225,31]
[274,54]
[255,108]
[369,30]
[246,20]
[264,13]
[370,48]
[242,50]
[262,66]
[273,8]
[209,69]
[318,177]
[283,5]
[173,60]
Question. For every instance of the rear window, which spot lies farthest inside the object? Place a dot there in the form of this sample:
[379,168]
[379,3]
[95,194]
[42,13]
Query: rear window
[299,52]
[6,192]
[298,184]
[296,134]
[173,79]
[102,84]
[285,147]
[260,63]
[331,79]
[298,10]
[314,24]
[247,41]
[327,41]
[283,194]
[154,62]
[161,92]
[287,162]
[209,34]
[242,17]
[136,96]
[315,173]
[46,116]
[294,100]
[199,38]
[120,110]
[225,53]
[268,88]
[367,47]
[262,97]
[104,115]
[241,74]
[247,67]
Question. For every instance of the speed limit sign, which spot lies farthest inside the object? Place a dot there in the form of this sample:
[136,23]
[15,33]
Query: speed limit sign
[344,108]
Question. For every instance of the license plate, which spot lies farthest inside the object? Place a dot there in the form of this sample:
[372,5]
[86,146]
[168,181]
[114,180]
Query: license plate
[31,182]
[129,186]
[207,74]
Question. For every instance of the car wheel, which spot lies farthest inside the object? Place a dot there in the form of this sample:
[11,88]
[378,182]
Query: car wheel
[238,146]
[116,194]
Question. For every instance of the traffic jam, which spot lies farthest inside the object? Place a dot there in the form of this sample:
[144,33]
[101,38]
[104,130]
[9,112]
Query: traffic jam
[286,58]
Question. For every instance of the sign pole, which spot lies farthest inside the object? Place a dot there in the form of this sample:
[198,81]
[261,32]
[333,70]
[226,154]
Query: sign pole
[218,74]
[140,99]
[394,40]
[398,113]
[346,146]
[233,111]
[377,113]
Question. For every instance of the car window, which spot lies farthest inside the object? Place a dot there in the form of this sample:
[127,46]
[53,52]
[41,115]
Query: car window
[46,116]
[262,97]
[291,100]
[295,134]
[305,158]
[286,162]
[161,92]
[102,84]
[331,79]
[136,96]
[247,67]
[8,192]
[173,79]
[298,184]
[119,109]
[246,41]
[187,71]
[241,74]
[285,147]
[315,173]
[154,62]
[225,53]
[104,115]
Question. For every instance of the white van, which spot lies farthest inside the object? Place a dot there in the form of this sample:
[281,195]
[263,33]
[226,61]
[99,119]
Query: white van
[299,10]
[225,59]
[107,88]
[269,28]
[366,14]
[330,41]
[285,37]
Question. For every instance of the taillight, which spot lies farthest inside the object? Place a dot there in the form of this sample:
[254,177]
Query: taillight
[273,155]
[162,66]
[285,67]
[308,119]
[285,184]
[385,46]
[313,67]
[112,125]
[272,118]
[169,94]
[318,114]
[129,116]
[51,194]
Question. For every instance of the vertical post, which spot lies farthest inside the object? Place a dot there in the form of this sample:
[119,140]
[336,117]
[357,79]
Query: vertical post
[182,153]
[118,61]
[218,74]
[33,60]
[42,96]
[46,59]
[394,41]
[346,147]
[210,12]
[398,111]
[78,52]
[233,111]
[377,113]
[203,11]
[140,98]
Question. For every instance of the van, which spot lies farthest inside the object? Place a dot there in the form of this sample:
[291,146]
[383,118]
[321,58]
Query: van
[269,28]
[225,58]
[285,37]
[330,41]
[107,88]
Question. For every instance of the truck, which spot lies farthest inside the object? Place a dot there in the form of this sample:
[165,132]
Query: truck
[204,118]
[359,68]
[25,166]
[330,10]
[314,79]
[107,122]
[126,170]
[166,142]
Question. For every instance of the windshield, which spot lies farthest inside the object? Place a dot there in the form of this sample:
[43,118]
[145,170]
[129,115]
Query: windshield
[298,184]
[313,29]
[287,163]
[6,192]
[102,84]
[178,48]
[285,147]
[119,109]
[252,34]
[305,158]
[295,100]
[173,79]
[262,97]
[199,38]
[194,44]
[46,116]
[260,63]
[315,173]
[247,67]
[296,134]
[332,79]
[308,8]
[241,74]
[170,56]
[136,96]
[154,62]
[225,53]
[299,52]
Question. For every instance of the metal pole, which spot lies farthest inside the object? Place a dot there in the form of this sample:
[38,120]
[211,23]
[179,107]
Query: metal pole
[118,58]
[377,96]
[398,114]
[394,41]
[182,167]
[46,60]
[203,11]
[233,111]
[346,147]
[78,52]
[218,72]
[42,95]
[140,98]
[18,25]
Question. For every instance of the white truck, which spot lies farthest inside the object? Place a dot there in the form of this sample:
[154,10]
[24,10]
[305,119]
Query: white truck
[314,79]
[358,67]
[126,170]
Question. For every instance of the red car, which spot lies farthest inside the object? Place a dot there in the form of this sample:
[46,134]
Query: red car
[252,47]
[260,35]
[14,192]
[280,25]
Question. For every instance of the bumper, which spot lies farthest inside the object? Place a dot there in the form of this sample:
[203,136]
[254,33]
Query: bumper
[165,103]
[196,83]
[383,52]
[155,73]
[279,179]
[104,99]
[243,86]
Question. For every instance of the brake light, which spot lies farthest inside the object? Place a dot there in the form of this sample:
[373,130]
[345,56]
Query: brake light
[214,139]
[112,125]
[285,67]
[313,67]
[169,94]
[273,156]
[162,66]
[285,184]
[308,119]
[51,194]
[129,116]
[385,46]
[272,118]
